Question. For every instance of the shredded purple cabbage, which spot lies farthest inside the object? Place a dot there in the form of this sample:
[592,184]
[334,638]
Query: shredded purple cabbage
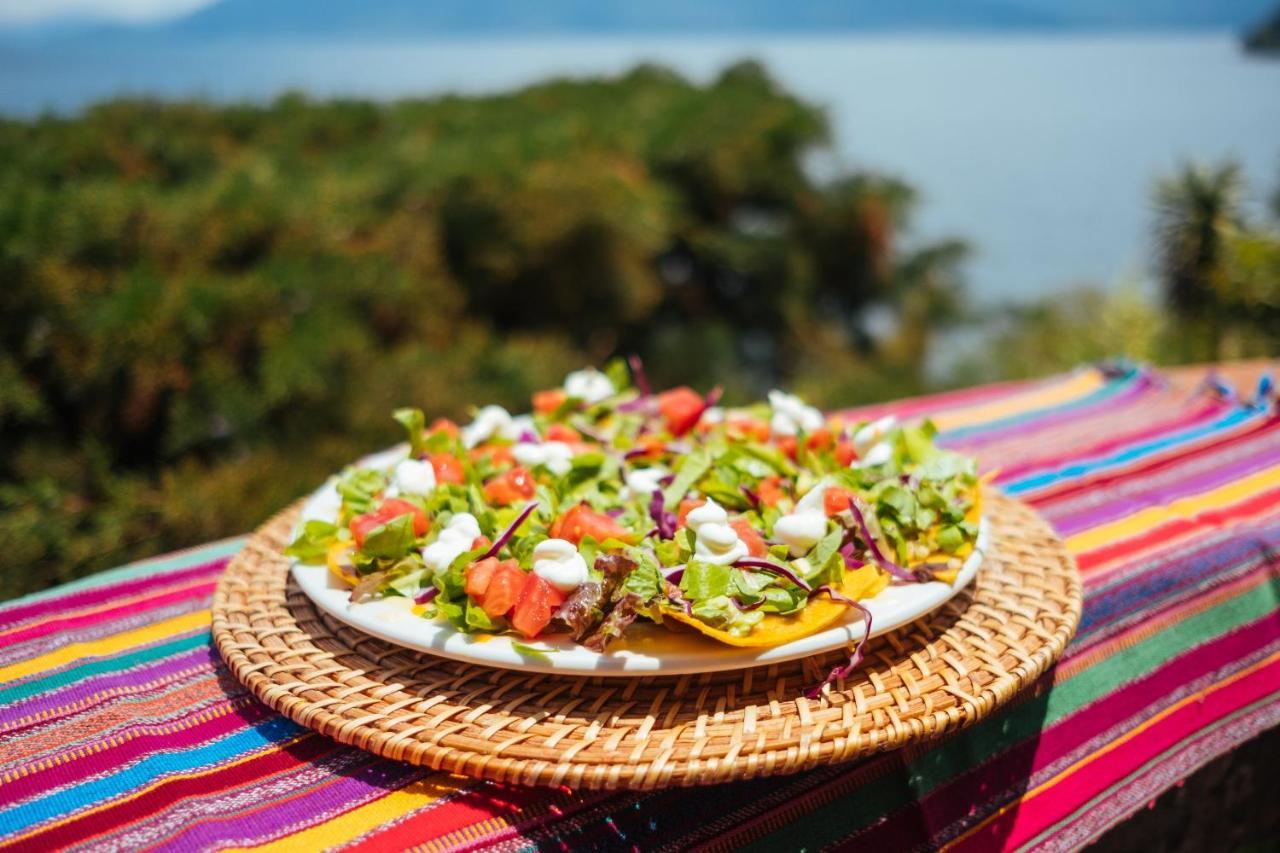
[745,608]
[752,497]
[855,658]
[638,374]
[674,575]
[766,565]
[876,554]
[426,595]
[663,517]
[850,561]
[615,511]
[510,531]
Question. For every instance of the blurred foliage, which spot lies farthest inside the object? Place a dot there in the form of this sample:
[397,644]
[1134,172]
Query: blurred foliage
[206,309]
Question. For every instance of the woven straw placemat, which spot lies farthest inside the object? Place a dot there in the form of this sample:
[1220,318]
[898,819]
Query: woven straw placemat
[940,673]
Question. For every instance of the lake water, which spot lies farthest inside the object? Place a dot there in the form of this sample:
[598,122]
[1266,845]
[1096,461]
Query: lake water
[1040,151]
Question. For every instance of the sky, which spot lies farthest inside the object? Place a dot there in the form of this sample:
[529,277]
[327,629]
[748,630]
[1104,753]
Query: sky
[29,12]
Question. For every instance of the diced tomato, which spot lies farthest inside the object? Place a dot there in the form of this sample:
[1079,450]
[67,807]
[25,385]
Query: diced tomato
[560,432]
[537,602]
[499,454]
[651,446]
[478,576]
[546,402]
[752,428]
[836,500]
[819,439]
[511,486]
[503,589]
[448,468]
[787,444]
[682,408]
[750,537]
[395,507]
[845,452]
[443,425]
[770,490]
[362,525]
[481,541]
[582,520]
[687,506]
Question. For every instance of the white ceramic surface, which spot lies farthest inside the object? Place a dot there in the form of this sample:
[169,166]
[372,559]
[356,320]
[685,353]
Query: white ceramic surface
[652,651]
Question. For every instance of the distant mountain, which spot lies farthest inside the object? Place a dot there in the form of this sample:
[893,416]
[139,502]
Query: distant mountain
[343,18]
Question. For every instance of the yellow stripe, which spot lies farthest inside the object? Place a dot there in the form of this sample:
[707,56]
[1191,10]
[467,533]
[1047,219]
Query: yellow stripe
[107,645]
[361,819]
[1198,696]
[1187,507]
[1079,385]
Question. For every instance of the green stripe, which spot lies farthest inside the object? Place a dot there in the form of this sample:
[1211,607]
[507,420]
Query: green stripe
[120,663]
[170,562]
[831,822]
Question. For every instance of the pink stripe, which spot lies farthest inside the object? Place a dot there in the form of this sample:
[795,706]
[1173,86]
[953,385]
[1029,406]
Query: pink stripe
[1019,826]
[71,624]
[13,616]
[948,401]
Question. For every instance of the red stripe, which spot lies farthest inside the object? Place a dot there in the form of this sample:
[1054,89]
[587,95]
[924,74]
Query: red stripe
[72,623]
[1032,816]
[951,801]
[110,592]
[274,761]
[1159,534]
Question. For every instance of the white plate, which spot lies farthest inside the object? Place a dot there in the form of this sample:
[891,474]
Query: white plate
[652,650]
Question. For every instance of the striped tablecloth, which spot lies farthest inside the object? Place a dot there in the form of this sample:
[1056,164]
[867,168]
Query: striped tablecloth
[121,729]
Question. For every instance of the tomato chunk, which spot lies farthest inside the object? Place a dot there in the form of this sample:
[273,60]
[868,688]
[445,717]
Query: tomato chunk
[499,454]
[787,444]
[770,490]
[819,439]
[395,507]
[845,452]
[448,469]
[362,525]
[750,537]
[546,402]
[478,576]
[511,486]
[836,500]
[443,425]
[582,520]
[560,432]
[537,603]
[503,589]
[681,408]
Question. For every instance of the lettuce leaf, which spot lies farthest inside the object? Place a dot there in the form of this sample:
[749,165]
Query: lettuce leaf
[313,543]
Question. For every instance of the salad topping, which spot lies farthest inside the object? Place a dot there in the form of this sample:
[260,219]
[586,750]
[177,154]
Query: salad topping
[611,504]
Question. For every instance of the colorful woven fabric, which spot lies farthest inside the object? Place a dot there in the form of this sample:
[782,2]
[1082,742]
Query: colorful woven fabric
[121,729]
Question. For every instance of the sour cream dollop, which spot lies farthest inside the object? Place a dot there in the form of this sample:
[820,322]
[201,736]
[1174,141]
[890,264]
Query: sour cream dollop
[558,562]
[791,414]
[589,385]
[556,455]
[715,541]
[454,540]
[802,528]
[489,422]
[413,477]
[643,482]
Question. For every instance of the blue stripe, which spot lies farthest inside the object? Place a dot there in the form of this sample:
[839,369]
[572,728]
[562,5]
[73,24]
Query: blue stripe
[1088,466]
[131,779]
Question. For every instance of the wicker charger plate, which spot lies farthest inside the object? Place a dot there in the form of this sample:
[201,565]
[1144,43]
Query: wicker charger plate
[940,673]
